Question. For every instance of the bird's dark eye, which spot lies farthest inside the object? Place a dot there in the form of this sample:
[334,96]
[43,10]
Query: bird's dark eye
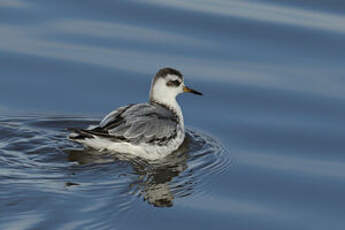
[174,83]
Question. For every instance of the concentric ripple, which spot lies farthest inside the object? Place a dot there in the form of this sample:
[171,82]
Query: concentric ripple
[42,172]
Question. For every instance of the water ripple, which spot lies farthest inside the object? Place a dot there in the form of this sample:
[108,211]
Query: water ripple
[38,162]
[272,13]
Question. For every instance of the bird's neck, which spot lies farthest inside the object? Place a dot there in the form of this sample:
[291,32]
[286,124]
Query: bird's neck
[172,105]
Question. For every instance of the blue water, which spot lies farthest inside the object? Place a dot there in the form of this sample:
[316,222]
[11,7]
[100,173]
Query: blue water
[266,141]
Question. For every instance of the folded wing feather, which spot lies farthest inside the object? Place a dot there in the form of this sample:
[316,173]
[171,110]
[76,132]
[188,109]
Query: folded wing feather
[140,123]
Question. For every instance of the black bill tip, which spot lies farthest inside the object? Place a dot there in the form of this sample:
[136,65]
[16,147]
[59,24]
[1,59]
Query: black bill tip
[189,90]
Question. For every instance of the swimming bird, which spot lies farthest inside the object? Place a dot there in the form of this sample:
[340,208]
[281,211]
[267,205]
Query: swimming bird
[149,130]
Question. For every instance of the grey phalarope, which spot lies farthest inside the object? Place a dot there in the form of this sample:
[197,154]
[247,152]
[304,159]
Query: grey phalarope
[150,130]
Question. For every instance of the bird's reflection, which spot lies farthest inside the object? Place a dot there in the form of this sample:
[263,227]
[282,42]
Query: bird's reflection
[153,178]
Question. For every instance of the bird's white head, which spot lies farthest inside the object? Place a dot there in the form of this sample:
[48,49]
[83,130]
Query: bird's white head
[166,85]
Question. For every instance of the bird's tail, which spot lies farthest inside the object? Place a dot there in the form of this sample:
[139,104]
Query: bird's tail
[78,134]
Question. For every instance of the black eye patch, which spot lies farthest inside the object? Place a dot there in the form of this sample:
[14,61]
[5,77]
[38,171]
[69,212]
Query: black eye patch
[174,83]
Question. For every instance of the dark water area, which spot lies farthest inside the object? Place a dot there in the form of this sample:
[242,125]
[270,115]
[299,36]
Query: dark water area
[266,142]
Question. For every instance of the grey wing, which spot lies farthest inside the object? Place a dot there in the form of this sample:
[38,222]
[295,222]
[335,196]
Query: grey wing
[140,123]
[113,116]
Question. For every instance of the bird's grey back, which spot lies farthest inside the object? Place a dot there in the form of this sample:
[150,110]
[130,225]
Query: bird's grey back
[148,123]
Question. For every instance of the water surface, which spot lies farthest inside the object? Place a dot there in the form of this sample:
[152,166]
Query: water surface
[44,175]
[272,73]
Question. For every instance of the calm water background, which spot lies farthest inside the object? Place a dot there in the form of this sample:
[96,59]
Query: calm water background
[273,77]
